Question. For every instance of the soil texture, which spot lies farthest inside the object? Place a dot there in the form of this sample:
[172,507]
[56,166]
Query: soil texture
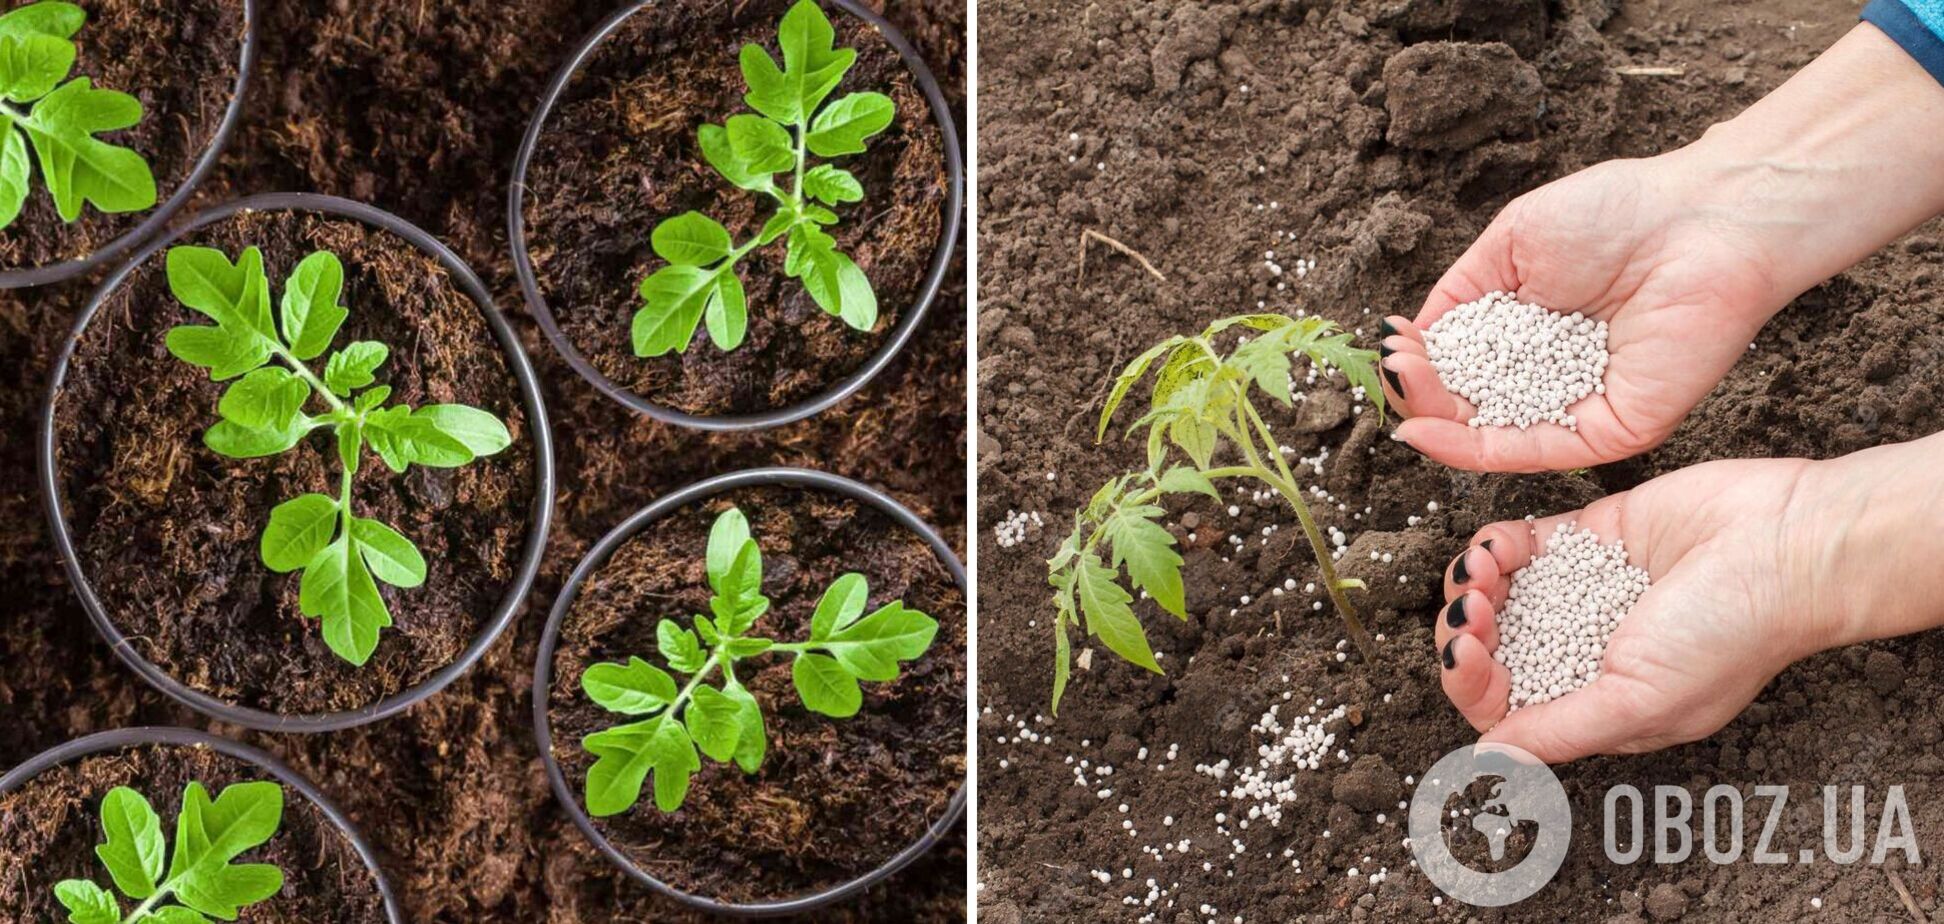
[168,530]
[50,826]
[1205,136]
[835,798]
[619,155]
[418,107]
[179,58]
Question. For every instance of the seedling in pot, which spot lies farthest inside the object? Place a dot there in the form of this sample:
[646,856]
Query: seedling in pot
[845,646]
[201,881]
[59,118]
[1202,400]
[791,122]
[341,555]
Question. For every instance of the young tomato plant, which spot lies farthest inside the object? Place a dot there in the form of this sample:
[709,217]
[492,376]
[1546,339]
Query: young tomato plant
[845,647]
[200,877]
[700,283]
[59,118]
[1201,401]
[342,555]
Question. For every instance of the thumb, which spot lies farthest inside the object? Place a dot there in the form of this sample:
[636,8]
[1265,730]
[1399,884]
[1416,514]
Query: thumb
[1594,719]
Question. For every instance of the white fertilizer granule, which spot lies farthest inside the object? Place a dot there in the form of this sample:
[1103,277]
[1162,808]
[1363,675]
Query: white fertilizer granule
[1560,611]
[1518,363]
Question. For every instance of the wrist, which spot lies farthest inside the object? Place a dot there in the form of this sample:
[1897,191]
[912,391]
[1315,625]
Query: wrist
[1866,522]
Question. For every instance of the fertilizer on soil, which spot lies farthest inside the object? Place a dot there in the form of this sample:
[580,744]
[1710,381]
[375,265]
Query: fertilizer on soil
[1518,363]
[1560,612]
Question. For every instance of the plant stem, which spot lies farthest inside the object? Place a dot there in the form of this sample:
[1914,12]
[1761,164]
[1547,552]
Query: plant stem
[701,673]
[162,891]
[303,372]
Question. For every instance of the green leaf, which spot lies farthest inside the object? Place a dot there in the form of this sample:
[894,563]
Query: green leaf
[1359,366]
[226,352]
[32,65]
[481,433]
[825,686]
[311,313]
[16,171]
[716,149]
[371,397]
[204,279]
[60,20]
[808,244]
[679,647]
[1062,653]
[87,903]
[80,168]
[210,834]
[768,93]
[714,722]
[403,437]
[705,628]
[1129,375]
[1264,361]
[1181,479]
[338,589]
[1148,550]
[133,849]
[752,740]
[634,688]
[872,648]
[175,914]
[727,312]
[350,443]
[727,536]
[761,146]
[747,647]
[299,529]
[841,605]
[691,239]
[843,127]
[741,587]
[672,302]
[391,557]
[239,442]
[837,286]
[1105,606]
[833,185]
[269,398]
[354,366]
[812,67]
[627,754]
[778,225]
[1196,437]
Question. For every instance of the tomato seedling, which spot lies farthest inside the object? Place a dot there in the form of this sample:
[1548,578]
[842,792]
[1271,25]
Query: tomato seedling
[200,877]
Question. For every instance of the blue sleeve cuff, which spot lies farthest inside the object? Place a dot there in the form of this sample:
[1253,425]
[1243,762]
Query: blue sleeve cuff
[1917,25]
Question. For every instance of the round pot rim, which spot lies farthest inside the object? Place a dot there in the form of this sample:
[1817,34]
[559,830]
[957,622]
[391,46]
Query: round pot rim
[118,739]
[598,556]
[27,277]
[540,517]
[901,335]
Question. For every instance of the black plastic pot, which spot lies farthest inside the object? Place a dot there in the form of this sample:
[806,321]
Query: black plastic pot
[159,218]
[907,324]
[540,520]
[598,556]
[124,738]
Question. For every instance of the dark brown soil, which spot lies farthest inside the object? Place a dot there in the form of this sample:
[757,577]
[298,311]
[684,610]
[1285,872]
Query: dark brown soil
[1200,175]
[417,106]
[619,156]
[179,57]
[834,799]
[50,826]
[168,530]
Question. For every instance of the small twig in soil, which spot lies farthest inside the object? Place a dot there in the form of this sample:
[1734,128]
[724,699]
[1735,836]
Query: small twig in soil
[1909,903]
[1644,70]
[1117,245]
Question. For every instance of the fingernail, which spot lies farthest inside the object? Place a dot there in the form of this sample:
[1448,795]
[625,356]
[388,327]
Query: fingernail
[1458,573]
[1395,384]
[1455,615]
[1386,329]
[1450,660]
[1486,545]
[1384,351]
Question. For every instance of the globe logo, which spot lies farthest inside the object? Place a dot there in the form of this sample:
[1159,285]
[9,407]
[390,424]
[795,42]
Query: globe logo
[1521,797]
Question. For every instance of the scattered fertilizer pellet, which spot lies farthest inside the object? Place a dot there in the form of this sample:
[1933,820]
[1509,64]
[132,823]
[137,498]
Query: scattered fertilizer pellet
[1518,363]
[1560,611]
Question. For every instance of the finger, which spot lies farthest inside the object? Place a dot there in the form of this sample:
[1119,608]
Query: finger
[1543,447]
[1473,614]
[1475,568]
[1480,687]
[1398,343]
[1485,266]
[1410,378]
[1591,720]
[1401,326]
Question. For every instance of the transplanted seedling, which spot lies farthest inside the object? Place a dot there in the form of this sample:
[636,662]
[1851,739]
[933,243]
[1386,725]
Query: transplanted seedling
[59,118]
[200,881]
[700,283]
[341,555]
[845,647]
[1201,400]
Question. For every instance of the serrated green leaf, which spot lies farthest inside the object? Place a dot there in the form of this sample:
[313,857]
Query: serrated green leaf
[1147,549]
[354,366]
[1181,479]
[841,605]
[706,628]
[79,168]
[1265,363]
[338,589]
[634,688]
[299,528]
[403,437]
[1196,437]
[1062,652]
[808,244]
[727,313]
[310,309]
[32,65]
[679,647]
[391,557]
[833,185]
[87,903]
[1108,615]
[825,686]
[691,239]
[714,722]
[844,126]
[1359,366]
[716,149]
[371,397]
[133,846]
[672,303]
[269,398]
[760,145]
[1129,375]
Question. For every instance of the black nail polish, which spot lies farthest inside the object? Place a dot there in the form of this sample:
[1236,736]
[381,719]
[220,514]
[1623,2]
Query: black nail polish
[1391,377]
[1458,573]
[1486,545]
[1450,660]
[1384,351]
[1455,614]
[1385,329]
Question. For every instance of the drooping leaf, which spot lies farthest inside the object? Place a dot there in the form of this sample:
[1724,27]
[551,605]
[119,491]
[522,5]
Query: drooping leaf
[1108,614]
[1147,548]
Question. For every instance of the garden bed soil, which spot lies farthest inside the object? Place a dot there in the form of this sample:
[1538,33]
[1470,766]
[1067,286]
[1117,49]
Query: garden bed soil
[1217,127]
[835,798]
[179,57]
[418,108]
[49,828]
[618,156]
[167,530]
